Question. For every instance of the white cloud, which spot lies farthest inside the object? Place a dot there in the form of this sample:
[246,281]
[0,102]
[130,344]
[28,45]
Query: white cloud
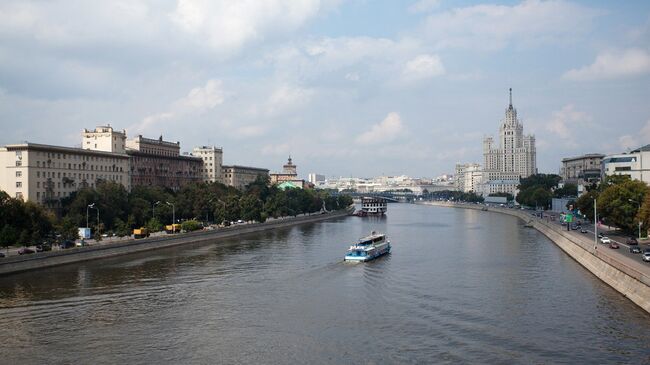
[228,25]
[288,97]
[566,121]
[197,101]
[628,142]
[249,131]
[423,67]
[387,130]
[613,64]
[490,27]
[282,149]
[422,6]
[352,76]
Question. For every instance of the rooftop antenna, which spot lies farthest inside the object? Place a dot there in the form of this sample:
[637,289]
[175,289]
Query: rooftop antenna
[510,98]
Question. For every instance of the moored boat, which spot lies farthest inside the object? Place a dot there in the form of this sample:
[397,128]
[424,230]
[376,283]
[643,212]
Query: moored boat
[368,248]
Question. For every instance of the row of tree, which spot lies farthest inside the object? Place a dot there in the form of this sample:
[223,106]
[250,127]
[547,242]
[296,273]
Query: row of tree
[109,207]
[620,202]
[538,190]
[454,195]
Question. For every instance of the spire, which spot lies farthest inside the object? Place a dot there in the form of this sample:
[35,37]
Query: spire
[510,106]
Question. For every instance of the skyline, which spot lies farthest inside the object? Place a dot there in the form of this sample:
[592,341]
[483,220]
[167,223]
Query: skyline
[345,87]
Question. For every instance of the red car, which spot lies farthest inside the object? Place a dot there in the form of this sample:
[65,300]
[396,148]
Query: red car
[613,245]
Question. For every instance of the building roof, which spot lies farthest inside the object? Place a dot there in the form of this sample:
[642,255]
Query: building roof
[587,155]
[244,168]
[287,185]
[642,148]
[62,149]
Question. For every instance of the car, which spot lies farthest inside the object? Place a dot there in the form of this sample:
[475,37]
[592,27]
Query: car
[646,255]
[600,235]
[80,243]
[2,254]
[66,244]
[605,240]
[43,247]
[25,251]
[632,241]
[239,221]
[575,228]
[635,249]
[582,230]
[613,244]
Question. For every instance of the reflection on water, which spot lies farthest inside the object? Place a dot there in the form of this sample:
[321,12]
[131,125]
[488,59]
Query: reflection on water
[460,286]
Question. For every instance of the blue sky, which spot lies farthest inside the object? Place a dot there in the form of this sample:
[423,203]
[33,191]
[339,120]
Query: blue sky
[348,88]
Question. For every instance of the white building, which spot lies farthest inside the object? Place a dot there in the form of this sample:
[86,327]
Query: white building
[315,178]
[240,176]
[468,177]
[212,162]
[104,138]
[44,173]
[635,164]
[514,158]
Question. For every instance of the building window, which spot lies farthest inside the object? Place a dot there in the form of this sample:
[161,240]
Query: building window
[19,184]
[19,163]
[38,184]
[19,195]
[19,173]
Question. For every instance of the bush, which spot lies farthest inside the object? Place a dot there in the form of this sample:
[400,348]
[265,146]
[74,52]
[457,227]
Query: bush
[191,225]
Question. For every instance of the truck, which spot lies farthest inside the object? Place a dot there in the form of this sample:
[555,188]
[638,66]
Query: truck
[173,228]
[84,232]
[141,232]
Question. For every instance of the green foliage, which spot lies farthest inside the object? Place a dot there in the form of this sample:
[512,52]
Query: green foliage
[453,195]
[585,203]
[154,225]
[568,190]
[509,197]
[24,223]
[191,225]
[537,190]
[617,204]
[547,181]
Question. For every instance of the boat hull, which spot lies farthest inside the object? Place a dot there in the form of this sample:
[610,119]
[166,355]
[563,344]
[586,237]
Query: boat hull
[371,256]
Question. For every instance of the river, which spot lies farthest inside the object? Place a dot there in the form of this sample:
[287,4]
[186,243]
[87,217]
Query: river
[461,286]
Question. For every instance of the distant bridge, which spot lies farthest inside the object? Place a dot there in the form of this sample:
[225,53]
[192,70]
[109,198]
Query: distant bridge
[392,196]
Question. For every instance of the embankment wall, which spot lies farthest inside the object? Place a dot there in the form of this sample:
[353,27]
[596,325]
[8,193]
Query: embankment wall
[42,260]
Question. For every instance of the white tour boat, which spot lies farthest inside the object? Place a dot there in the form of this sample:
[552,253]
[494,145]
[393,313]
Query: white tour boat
[368,248]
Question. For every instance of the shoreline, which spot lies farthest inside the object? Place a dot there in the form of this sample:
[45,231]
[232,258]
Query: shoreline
[628,279]
[17,264]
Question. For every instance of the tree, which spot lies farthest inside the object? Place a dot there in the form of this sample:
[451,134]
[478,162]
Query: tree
[585,203]
[568,190]
[251,208]
[617,203]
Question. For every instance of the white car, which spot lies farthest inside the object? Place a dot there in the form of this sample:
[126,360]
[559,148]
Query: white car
[646,255]
[605,240]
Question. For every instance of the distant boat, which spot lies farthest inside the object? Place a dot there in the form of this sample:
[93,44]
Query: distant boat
[372,206]
[368,248]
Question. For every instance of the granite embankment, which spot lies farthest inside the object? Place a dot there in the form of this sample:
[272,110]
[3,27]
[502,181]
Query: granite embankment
[15,264]
[629,277]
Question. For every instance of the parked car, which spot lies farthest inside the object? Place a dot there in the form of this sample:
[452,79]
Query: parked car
[635,249]
[646,255]
[80,243]
[600,235]
[613,244]
[575,228]
[582,230]
[632,241]
[66,244]
[2,254]
[605,240]
[25,251]
[43,247]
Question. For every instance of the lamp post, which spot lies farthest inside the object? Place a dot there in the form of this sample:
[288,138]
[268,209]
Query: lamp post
[153,209]
[595,226]
[637,212]
[173,217]
[87,208]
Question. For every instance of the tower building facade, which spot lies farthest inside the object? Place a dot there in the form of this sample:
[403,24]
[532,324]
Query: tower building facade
[512,159]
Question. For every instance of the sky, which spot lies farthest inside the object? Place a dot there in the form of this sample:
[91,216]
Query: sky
[346,87]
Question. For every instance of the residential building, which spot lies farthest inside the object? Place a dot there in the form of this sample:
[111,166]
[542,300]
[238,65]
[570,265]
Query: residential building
[513,158]
[45,173]
[240,176]
[631,164]
[155,162]
[212,162]
[468,177]
[581,170]
[104,138]
[315,178]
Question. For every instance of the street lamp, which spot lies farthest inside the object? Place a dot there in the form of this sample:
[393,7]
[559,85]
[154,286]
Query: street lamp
[595,226]
[93,207]
[637,212]
[153,209]
[173,217]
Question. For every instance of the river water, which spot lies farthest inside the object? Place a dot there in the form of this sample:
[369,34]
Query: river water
[460,286]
